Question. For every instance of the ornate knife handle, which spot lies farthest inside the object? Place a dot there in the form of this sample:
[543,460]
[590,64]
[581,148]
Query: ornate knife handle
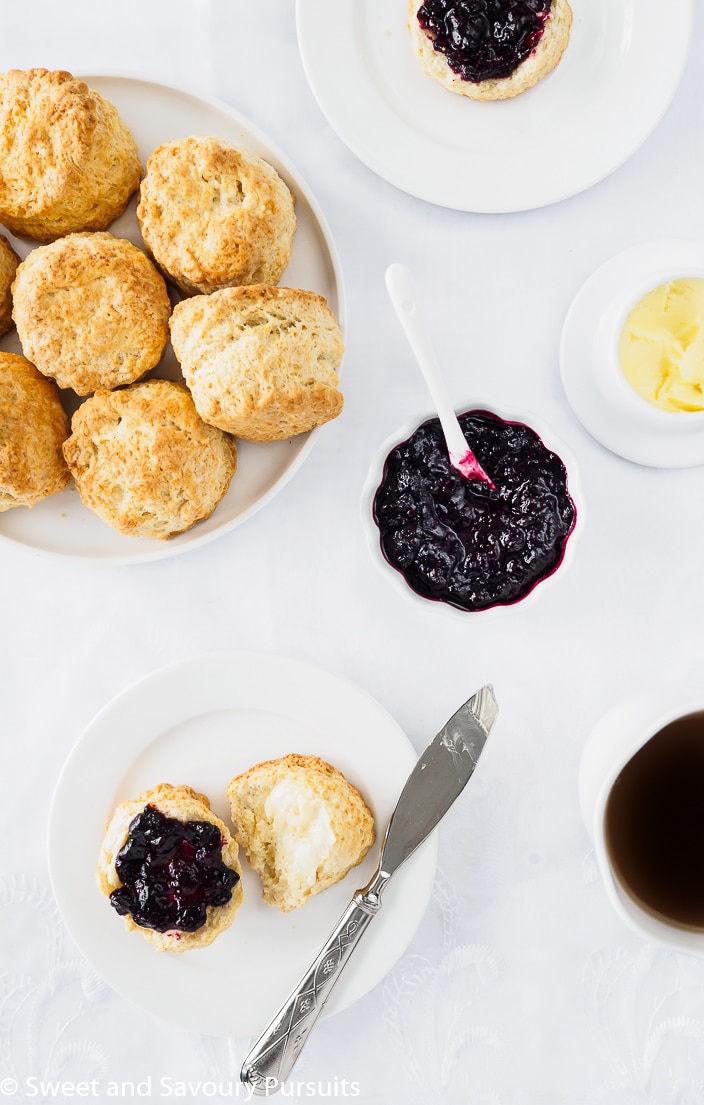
[272,1058]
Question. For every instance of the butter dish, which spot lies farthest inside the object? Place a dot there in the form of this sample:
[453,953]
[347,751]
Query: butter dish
[596,388]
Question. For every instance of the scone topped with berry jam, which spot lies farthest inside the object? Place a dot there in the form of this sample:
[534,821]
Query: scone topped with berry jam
[489,49]
[170,867]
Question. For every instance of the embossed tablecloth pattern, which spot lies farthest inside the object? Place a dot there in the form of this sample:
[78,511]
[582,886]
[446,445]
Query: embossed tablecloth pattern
[521,986]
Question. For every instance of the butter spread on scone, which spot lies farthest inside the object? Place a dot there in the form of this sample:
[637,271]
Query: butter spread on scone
[91,311]
[262,362]
[489,49]
[215,215]
[8,267]
[144,460]
[33,427]
[67,160]
[170,867]
[302,825]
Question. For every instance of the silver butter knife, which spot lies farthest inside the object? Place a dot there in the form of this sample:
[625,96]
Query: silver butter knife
[436,781]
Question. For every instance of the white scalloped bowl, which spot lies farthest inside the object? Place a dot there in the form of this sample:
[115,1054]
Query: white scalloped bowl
[395,577]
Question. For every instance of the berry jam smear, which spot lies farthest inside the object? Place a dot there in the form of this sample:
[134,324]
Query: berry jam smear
[457,540]
[171,872]
[484,39]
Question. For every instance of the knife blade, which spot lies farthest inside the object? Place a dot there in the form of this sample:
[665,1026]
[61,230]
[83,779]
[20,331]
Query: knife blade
[438,778]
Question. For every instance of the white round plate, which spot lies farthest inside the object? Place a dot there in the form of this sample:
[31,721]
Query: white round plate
[635,430]
[201,722]
[156,113]
[566,133]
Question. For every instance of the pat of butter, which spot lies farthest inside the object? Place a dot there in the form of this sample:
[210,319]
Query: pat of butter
[661,348]
[301,826]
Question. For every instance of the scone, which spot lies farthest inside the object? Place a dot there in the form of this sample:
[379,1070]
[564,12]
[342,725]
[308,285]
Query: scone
[67,161]
[301,824]
[8,267]
[33,427]
[91,311]
[170,867]
[214,215]
[489,49]
[261,362]
[145,462]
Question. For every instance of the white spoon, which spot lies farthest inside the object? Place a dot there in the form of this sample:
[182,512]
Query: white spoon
[404,297]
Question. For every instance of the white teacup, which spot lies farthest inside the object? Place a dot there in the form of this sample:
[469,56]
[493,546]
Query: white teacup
[612,745]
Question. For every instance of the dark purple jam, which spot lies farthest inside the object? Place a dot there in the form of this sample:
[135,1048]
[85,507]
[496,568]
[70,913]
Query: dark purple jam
[484,39]
[171,872]
[457,540]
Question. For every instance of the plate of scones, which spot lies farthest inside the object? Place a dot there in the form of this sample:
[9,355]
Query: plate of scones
[237,801]
[171,317]
[493,105]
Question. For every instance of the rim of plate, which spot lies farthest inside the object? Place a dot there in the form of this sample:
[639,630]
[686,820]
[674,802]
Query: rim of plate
[351,94]
[165,549]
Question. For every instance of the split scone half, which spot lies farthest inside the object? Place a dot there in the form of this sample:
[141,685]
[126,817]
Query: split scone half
[301,824]
[170,868]
[33,428]
[261,362]
[471,38]
[67,160]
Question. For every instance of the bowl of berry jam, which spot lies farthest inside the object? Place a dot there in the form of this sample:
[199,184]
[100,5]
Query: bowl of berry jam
[461,544]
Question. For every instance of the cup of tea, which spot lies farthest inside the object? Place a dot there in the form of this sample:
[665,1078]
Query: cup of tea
[641,790]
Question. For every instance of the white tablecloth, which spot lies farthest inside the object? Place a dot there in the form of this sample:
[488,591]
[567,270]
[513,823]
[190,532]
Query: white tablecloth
[521,986]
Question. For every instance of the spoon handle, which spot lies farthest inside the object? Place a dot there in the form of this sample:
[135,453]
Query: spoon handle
[403,295]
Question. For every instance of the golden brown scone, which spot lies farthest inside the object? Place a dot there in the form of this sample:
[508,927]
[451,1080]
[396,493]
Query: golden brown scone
[67,161]
[33,427]
[8,267]
[91,311]
[144,460]
[301,824]
[261,362]
[543,59]
[183,804]
[214,215]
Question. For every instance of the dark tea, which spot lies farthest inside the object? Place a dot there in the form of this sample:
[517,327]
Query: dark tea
[654,824]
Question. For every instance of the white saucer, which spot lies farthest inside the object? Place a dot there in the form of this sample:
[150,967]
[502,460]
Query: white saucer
[601,399]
